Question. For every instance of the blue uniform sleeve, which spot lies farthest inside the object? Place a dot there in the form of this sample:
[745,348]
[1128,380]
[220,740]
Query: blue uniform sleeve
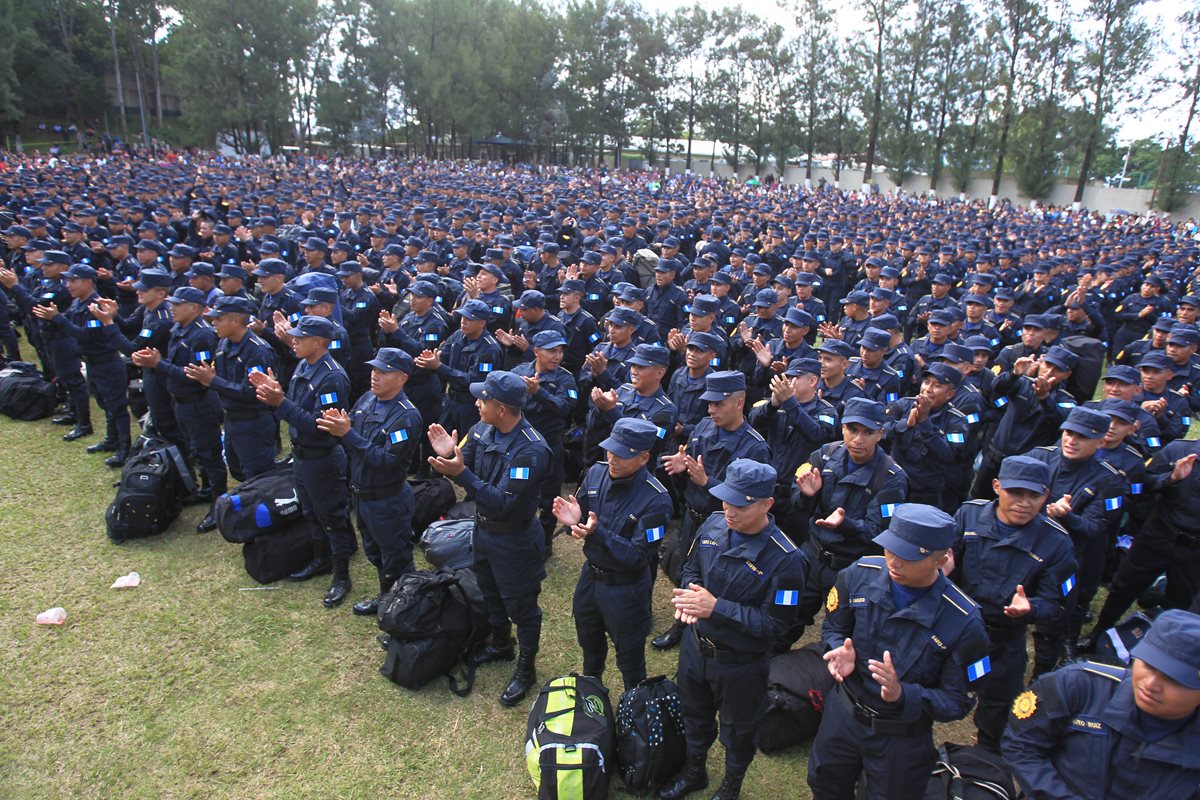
[396,451]
[515,497]
[948,699]
[1037,725]
[631,553]
[335,383]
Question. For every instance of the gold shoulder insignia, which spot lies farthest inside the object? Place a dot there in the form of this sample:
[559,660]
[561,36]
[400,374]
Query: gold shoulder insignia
[1025,705]
[831,602]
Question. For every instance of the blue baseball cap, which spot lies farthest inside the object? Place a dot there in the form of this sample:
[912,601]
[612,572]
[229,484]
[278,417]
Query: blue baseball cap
[392,359]
[944,373]
[314,326]
[706,340]
[766,298]
[941,316]
[152,279]
[1173,647]
[1121,409]
[704,304]
[836,347]
[863,411]
[1123,373]
[719,385]
[649,355]
[956,353]
[916,531]
[476,310]
[530,298]
[800,318]
[1086,422]
[231,304]
[631,436]
[547,340]
[77,271]
[624,317]
[875,339]
[319,294]
[503,387]
[745,482]
[1061,357]
[571,285]
[1155,359]
[188,294]
[270,266]
[857,298]
[1023,472]
[803,366]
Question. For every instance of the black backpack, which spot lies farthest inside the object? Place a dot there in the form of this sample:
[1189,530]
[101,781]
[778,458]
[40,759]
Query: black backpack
[264,504]
[1086,375]
[150,494]
[275,555]
[435,620]
[650,743]
[24,393]
[569,741]
[798,683]
[447,543]
[431,498]
[967,772]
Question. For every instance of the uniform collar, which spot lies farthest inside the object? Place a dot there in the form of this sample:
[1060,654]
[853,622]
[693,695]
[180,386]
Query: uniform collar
[924,611]
[1181,749]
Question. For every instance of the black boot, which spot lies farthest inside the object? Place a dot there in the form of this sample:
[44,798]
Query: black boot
[341,583]
[106,446]
[368,608]
[730,788]
[668,638]
[65,419]
[117,459]
[692,778]
[499,648]
[522,680]
[78,432]
[209,523]
[320,565]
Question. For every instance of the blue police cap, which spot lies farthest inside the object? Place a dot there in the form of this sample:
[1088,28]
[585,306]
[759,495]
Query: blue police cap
[857,298]
[624,317]
[268,247]
[271,266]
[631,436]
[719,385]
[864,411]
[836,347]
[571,285]
[943,278]
[803,366]
[766,298]
[886,322]
[20,230]
[976,299]
[492,269]
[1156,359]
[1061,357]
[666,265]
[805,279]
[1184,335]
[889,272]
[1034,321]
[530,298]
[941,316]
[309,325]
[1124,374]
[118,240]
[1004,294]
[476,310]
[722,278]
[783,280]
[546,340]
[956,353]
[1189,300]
[1173,647]
[188,294]
[396,250]
[706,340]
[631,294]
[152,279]
[320,294]
[875,339]
[424,289]
[880,293]
[392,359]
[649,355]
[704,305]
[1121,409]
[314,243]
[76,272]
[1087,422]
[799,317]
[745,482]
[1023,472]
[978,343]
[916,531]
[1053,322]
[1163,324]
[59,257]
[178,251]
[944,373]
[200,269]
[231,304]
[232,271]
[503,387]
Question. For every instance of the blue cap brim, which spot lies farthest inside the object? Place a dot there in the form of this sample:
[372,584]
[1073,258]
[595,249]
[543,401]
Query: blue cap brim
[1017,483]
[1081,430]
[898,547]
[734,498]
[1179,671]
[477,389]
[618,449]
[559,343]
[870,423]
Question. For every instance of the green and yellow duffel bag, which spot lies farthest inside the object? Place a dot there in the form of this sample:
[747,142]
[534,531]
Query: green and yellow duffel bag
[570,747]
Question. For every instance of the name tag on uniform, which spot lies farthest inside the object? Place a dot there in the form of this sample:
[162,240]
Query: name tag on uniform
[1068,585]
[654,534]
[328,399]
[955,438]
[203,355]
[518,474]
[980,668]
[1113,503]
[787,597]
[887,509]
[395,437]
[93,323]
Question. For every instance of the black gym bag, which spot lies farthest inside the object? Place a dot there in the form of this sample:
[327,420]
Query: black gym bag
[264,504]
[150,494]
[275,555]
[797,685]
[431,499]
[651,747]
[24,393]
[447,543]
[966,772]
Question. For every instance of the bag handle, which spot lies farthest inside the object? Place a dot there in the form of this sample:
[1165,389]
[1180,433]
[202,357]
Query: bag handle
[184,473]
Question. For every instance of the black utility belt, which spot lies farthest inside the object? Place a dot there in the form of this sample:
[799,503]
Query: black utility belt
[710,649]
[498,526]
[613,578]
[829,558]
[888,727]
[311,451]
[377,492]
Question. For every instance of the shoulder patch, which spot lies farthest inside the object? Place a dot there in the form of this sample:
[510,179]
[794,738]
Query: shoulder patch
[756,434]
[760,403]
[1025,705]
[782,541]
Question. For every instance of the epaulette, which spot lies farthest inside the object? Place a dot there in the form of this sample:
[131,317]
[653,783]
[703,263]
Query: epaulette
[1111,468]
[962,598]
[756,434]
[954,410]
[1104,670]
[871,562]
[532,434]
[1134,450]
[1049,448]
[970,387]
[978,502]
[1177,393]
[1056,524]
[783,542]
[760,403]
[654,483]
[663,401]
[888,369]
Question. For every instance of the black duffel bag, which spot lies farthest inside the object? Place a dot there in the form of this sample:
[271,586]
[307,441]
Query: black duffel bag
[154,482]
[797,685]
[264,504]
[970,772]
[275,555]
[24,393]
[447,543]
[431,498]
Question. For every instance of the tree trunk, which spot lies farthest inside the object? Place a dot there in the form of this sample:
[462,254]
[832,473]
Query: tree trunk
[1006,121]
[876,107]
[112,30]
[1097,113]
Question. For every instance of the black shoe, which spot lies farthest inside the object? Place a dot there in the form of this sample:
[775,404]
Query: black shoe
[500,647]
[692,778]
[730,788]
[208,524]
[340,588]
[77,433]
[522,680]
[65,419]
[384,640]
[366,608]
[117,459]
[668,638]
[106,446]
[199,497]
[320,565]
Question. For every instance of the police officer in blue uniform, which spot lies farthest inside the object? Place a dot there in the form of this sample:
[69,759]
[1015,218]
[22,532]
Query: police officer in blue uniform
[846,490]
[927,436]
[620,512]
[1019,565]
[738,594]
[467,357]
[642,397]
[904,645]
[360,317]
[106,374]
[553,396]
[1094,730]
[197,409]
[501,465]
[716,442]
[380,437]
[318,460]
